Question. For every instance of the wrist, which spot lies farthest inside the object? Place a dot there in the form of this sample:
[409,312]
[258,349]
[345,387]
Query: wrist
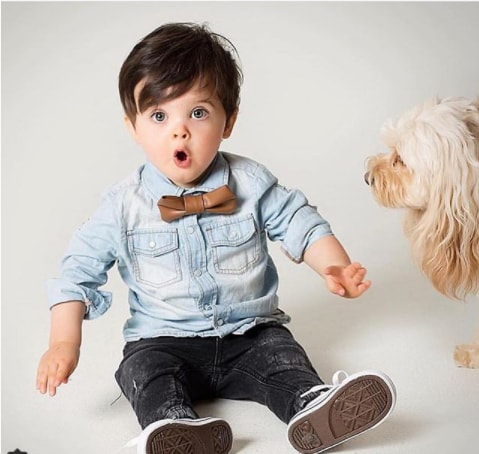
[57,343]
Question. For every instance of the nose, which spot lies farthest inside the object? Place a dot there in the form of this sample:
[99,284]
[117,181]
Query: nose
[181,135]
[367,178]
[180,131]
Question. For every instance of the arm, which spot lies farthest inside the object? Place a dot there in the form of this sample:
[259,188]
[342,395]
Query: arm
[328,258]
[61,358]
[288,217]
[91,253]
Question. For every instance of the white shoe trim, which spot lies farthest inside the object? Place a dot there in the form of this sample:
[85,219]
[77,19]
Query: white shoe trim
[140,441]
[337,382]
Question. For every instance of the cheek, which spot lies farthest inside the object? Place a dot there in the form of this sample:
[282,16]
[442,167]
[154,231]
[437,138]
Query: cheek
[150,141]
[210,138]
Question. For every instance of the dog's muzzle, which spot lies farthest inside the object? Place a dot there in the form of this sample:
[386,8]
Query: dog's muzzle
[367,178]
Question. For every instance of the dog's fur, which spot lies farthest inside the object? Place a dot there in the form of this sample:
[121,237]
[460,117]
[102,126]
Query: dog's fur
[433,172]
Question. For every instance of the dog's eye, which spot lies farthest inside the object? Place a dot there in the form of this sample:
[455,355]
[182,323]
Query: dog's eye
[397,161]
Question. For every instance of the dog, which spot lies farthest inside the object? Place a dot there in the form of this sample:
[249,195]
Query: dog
[432,171]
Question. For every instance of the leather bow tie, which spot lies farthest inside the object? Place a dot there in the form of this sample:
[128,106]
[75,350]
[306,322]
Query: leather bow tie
[221,201]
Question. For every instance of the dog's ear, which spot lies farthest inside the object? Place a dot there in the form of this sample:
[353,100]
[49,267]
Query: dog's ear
[471,119]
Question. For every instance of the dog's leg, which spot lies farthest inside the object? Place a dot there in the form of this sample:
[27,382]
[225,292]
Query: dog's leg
[467,355]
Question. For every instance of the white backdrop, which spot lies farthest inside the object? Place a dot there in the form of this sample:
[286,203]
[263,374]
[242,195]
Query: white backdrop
[320,79]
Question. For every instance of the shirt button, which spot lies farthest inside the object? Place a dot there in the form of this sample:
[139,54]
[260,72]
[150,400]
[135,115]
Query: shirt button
[152,244]
[221,322]
[233,235]
[197,273]
[190,230]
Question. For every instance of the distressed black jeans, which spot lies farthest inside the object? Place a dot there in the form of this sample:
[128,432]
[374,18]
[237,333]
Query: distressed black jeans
[163,377]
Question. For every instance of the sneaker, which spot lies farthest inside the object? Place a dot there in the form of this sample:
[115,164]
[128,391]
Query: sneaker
[186,436]
[352,405]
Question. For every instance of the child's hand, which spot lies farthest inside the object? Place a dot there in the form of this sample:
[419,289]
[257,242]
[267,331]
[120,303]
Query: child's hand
[56,365]
[347,281]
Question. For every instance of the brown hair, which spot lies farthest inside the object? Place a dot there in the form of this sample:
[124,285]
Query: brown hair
[171,59]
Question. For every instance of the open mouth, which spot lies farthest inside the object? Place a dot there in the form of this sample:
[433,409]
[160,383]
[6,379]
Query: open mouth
[182,159]
[181,156]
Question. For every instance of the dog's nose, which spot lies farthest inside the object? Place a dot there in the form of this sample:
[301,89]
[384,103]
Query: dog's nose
[369,181]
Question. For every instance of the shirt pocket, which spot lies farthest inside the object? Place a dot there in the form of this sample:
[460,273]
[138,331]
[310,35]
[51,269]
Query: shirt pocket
[235,245]
[155,256]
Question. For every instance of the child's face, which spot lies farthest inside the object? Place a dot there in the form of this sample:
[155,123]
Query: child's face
[181,136]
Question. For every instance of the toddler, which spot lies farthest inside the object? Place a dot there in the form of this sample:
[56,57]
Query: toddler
[188,232]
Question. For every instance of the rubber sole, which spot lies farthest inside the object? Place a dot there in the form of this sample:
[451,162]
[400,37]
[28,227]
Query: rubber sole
[358,405]
[211,437]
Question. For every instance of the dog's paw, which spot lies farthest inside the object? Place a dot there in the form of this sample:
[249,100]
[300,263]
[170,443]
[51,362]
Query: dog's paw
[467,355]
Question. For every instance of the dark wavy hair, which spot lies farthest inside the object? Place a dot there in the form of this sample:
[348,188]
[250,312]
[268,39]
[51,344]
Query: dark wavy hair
[171,59]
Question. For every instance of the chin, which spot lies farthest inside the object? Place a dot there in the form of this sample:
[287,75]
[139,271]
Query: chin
[432,173]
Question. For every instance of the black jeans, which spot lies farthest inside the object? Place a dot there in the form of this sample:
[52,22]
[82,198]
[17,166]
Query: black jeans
[163,377]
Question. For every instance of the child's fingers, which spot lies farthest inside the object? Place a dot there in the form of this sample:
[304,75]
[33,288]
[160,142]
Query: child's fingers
[350,271]
[63,373]
[42,381]
[52,379]
[348,281]
[46,381]
[357,289]
[354,268]
[363,286]
[335,287]
[59,376]
[44,374]
[356,272]
[360,275]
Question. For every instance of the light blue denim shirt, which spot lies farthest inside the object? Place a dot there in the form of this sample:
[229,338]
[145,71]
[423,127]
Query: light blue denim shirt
[201,275]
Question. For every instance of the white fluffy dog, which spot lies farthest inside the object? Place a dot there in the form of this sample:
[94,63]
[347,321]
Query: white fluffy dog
[433,172]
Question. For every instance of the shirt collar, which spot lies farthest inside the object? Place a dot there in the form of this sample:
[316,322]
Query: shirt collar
[159,185]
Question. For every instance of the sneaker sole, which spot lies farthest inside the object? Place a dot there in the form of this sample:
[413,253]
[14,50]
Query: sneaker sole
[357,406]
[212,437]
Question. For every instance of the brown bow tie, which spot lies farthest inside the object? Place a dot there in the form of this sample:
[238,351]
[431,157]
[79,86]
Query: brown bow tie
[221,200]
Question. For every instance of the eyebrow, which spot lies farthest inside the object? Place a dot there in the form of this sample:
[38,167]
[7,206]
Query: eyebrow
[194,102]
[206,101]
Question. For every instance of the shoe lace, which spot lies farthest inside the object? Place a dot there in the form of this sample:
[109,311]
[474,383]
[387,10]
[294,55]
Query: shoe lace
[338,377]
[130,444]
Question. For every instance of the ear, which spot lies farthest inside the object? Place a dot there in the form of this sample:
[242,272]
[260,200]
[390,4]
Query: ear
[471,118]
[131,127]
[230,124]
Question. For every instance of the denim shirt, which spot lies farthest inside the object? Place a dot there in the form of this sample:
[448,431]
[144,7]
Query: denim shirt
[201,275]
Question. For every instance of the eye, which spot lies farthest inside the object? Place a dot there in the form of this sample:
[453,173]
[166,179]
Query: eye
[199,113]
[158,117]
[397,161]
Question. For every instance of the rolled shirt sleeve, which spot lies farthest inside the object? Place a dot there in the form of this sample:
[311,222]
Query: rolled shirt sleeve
[91,253]
[289,218]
